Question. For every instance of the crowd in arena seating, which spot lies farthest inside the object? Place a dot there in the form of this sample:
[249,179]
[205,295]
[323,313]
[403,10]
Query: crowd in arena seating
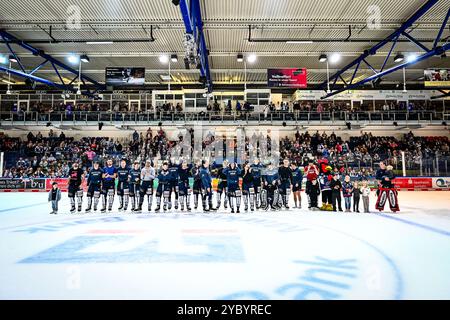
[51,156]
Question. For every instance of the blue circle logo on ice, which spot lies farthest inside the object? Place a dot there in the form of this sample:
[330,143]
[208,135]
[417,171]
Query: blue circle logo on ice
[223,256]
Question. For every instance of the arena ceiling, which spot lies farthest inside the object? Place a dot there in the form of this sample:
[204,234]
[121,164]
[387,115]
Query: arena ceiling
[324,23]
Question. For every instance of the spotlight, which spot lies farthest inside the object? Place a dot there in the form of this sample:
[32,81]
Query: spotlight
[349,125]
[13,58]
[323,58]
[412,57]
[176,2]
[174,58]
[100,126]
[240,57]
[73,59]
[163,59]
[251,58]
[85,58]
[335,57]
[399,58]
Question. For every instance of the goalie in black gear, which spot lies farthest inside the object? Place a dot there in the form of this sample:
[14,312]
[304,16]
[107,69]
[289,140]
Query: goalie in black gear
[76,177]
[386,191]
[109,185]
[94,186]
[146,189]
[123,190]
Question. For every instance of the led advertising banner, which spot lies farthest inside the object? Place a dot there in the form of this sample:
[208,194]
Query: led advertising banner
[437,78]
[287,78]
[124,76]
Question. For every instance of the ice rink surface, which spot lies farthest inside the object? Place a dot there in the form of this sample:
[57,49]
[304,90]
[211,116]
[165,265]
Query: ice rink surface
[283,255]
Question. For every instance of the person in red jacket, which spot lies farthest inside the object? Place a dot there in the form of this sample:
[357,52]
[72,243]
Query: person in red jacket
[311,172]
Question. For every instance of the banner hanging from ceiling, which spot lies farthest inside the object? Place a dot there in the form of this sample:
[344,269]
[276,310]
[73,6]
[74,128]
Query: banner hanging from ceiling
[437,78]
[287,78]
[124,76]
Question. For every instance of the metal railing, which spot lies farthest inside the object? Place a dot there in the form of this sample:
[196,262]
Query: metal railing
[326,117]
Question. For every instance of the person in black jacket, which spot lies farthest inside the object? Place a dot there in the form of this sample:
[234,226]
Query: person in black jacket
[336,187]
[248,190]
[313,192]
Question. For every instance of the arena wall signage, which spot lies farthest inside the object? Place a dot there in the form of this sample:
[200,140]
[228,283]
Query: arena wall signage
[287,78]
[437,78]
[359,95]
[124,76]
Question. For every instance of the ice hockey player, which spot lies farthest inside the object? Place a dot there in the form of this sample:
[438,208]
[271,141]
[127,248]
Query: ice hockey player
[284,187]
[313,191]
[222,185]
[197,186]
[205,176]
[135,183]
[257,168]
[234,191]
[248,190]
[386,189]
[183,186]
[123,190]
[270,182]
[94,182]
[76,176]
[173,183]
[147,176]
[108,185]
[163,189]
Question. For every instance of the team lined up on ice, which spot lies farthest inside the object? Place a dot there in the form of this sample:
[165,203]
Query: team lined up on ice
[261,187]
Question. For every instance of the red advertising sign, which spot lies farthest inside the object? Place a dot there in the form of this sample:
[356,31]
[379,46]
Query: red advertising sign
[415,183]
[62,184]
[287,78]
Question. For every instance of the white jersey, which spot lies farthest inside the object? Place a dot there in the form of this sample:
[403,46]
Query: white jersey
[148,174]
[365,191]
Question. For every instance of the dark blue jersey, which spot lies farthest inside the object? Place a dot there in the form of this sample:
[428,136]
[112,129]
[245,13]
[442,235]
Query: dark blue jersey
[109,171]
[173,170]
[256,170]
[195,173]
[135,176]
[270,175]
[95,176]
[205,176]
[123,174]
[232,176]
[164,177]
[297,176]
[184,174]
